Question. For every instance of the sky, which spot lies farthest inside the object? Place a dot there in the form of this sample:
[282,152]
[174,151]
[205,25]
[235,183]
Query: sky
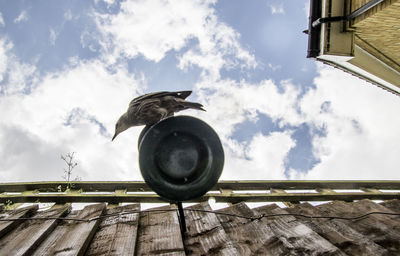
[68,70]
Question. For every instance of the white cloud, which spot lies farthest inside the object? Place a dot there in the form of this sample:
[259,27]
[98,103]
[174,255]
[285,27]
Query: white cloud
[4,48]
[354,126]
[23,16]
[152,28]
[229,103]
[277,9]
[274,67]
[358,142]
[65,110]
[219,47]
[25,157]
[89,86]
[57,114]
[44,123]
[361,122]
[88,39]
[264,157]
[2,23]
[68,15]
[53,36]
[109,2]
[306,8]
[15,76]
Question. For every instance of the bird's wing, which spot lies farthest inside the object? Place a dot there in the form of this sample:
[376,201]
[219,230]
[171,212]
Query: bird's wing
[138,106]
[145,104]
[153,95]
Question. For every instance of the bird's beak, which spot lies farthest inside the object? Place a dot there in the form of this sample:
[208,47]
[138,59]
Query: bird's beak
[115,135]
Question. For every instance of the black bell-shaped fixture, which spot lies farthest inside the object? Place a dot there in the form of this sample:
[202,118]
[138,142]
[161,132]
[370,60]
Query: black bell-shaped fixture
[180,158]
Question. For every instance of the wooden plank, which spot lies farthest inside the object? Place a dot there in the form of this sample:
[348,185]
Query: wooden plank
[159,233]
[282,191]
[325,191]
[117,192]
[293,197]
[6,226]
[371,190]
[26,238]
[205,235]
[117,233]
[338,233]
[384,230]
[393,205]
[369,206]
[135,186]
[72,237]
[293,236]
[251,237]
[225,191]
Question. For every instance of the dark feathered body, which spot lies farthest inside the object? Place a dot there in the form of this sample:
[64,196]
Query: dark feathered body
[150,108]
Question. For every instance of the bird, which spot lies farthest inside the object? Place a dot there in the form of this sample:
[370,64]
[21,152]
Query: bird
[151,108]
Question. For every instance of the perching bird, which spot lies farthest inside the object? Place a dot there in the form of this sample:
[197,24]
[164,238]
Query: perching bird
[150,108]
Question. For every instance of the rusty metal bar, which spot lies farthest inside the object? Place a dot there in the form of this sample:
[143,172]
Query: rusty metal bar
[140,186]
[260,191]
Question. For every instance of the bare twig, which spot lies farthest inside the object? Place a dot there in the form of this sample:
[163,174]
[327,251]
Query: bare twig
[69,160]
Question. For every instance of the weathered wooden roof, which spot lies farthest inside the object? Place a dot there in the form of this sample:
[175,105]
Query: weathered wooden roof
[101,229]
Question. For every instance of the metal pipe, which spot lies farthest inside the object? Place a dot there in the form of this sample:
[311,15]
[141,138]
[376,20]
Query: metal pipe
[363,9]
[317,22]
[182,220]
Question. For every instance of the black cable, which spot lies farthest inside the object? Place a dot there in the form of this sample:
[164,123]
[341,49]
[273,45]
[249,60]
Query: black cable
[210,211]
[297,215]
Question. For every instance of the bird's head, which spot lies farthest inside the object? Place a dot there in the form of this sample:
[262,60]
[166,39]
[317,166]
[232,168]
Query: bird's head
[121,125]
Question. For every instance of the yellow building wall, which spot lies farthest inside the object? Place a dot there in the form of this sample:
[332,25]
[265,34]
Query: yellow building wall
[378,30]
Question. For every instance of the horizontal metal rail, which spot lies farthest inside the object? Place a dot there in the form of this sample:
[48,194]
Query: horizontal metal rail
[224,191]
[140,186]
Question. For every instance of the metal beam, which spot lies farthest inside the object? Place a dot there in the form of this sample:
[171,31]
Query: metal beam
[233,198]
[141,186]
[263,191]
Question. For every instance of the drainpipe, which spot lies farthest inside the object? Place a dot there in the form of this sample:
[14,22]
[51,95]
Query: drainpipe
[314,33]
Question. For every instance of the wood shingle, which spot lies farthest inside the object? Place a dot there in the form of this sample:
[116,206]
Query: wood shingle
[98,229]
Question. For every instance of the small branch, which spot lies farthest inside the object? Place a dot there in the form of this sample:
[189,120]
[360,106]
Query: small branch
[69,161]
